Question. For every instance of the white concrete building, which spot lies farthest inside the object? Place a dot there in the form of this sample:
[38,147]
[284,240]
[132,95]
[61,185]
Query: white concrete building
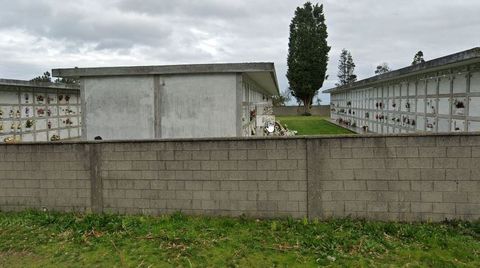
[441,95]
[38,111]
[177,101]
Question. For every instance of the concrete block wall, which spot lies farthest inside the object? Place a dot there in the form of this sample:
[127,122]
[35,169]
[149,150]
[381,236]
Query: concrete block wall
[401,178]
[263,178]
[45,176]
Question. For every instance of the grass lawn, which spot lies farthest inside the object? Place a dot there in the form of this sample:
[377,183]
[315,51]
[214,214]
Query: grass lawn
[311,125]
[37,239]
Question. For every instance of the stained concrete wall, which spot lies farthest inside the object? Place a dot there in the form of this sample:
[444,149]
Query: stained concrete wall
[167,106]
[198,106]
[407,178]
[118,107]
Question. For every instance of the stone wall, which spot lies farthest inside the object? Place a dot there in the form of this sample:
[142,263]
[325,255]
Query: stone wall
[407,178]
[322,110]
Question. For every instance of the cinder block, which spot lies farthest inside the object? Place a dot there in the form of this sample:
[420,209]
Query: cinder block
[183,155]
[420,162]
[174,165]
[297,195]
[445,163]
[355,185]
[277,154]
[201,155]
[141,184]
[392,163]
[406,152]
[201,195]
[334,206]
[355,206]
[362,153]
[448,141]
[165,155]
[448,208]
[331,185]
[396,141]
[256,154]
[364,174]
[422,141]
[237,154]
[352,163]
[340,153]
[184,195]
[266,164]
[386,174]
[459,152]
[286,164]
[298,154]
[373,206]
[247,165]
[432,151]
[267,205]
[373,163]
[467,209]
[377,185]
[268,185]
[445,186]
[387,196]
[409,196]
[469,186]
[211,185]
[455,197]
[194,185]
[209,165]
[409,174]
[244,205]
[219,155]
[229,185]
[176,185]
[432,197]
[421,207]
[148,155]
[402,186]
[277,175]
[459,174]
[342,195]
[277,195]
[289,206]
[398,207]
[192,165]
[288,185]
[158,185]
[433,174]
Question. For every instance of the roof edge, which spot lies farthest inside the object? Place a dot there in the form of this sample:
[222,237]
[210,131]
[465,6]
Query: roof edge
[25,83]
[165,69]
[470,54]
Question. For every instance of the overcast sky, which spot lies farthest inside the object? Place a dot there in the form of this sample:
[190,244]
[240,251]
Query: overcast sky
[39,35]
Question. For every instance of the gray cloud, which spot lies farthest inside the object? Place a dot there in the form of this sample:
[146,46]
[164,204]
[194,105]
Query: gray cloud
[45,34]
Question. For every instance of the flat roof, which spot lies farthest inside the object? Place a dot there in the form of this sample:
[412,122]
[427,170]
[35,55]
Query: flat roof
[450,61]
[35,84]
[261,72]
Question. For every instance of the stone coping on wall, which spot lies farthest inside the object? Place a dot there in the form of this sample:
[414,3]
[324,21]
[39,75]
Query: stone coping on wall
[309,137]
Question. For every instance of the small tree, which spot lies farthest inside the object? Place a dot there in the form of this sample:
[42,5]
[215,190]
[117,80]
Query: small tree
[46,77]
[382,68]
[346,67]
[418,58]
[282,99]
[307,53]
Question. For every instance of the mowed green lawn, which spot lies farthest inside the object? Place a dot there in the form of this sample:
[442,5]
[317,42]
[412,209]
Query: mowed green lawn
[38,239]
[311,125]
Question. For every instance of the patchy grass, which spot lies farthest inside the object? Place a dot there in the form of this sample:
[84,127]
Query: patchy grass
[37,239]
[312,125]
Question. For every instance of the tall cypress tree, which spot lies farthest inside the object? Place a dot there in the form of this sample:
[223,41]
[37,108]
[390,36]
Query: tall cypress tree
[307,53]
[346,68]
